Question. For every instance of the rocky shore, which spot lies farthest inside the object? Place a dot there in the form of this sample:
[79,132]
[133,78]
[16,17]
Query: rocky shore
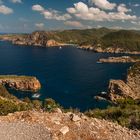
[121,59]
[119,89]
[22,83]
[99,49]
[61,126]
[39,39]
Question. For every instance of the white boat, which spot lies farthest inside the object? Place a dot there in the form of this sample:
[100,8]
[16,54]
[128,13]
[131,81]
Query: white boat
[60,47]
[103,92]
[36,95]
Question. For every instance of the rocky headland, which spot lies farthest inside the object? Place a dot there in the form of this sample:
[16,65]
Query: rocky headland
[114,50]
[101,40]
[121,59]
[119,89]
[40,39]
[22,83]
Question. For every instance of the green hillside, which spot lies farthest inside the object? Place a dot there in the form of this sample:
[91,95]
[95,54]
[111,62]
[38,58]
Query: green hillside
[129,40]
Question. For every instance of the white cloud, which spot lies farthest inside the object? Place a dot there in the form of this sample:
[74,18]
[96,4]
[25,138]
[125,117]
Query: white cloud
[16,1]
[104,4]
[122,8]
[39,25]
[5,10]
[37,8]
[74,24]
[82,11]
[56,15]
[50,13]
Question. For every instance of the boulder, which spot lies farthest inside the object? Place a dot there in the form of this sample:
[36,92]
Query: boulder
[64,130]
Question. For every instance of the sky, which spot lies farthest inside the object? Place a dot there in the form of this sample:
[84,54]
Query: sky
[25,16]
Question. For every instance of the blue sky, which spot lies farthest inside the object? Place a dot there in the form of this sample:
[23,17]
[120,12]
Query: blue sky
[18,16]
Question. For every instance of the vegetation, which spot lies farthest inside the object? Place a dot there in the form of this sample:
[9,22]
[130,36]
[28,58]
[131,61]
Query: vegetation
[15,77]
[128,40]
[10,104]
[127,113]
[5,94]
[134,70]
[50,105]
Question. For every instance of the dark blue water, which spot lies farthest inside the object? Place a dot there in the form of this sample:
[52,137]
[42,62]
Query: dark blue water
[70,76]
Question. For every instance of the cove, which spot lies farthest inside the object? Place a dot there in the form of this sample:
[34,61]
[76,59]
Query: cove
[70,76]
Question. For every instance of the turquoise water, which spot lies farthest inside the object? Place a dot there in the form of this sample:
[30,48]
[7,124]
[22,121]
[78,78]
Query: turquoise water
[70,76]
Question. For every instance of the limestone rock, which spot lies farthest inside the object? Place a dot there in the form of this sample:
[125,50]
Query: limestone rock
[118,89]
[23,83]
[122,59]
[64,130]
[75,118]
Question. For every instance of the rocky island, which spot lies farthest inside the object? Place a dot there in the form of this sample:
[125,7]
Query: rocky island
[121,59]
[22,83]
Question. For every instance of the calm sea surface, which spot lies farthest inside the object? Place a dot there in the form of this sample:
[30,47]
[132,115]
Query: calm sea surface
[70,76]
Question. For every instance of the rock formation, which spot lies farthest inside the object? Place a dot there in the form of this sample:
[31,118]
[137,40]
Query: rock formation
[23,83]
[122,59]
[37,39]
[119,89]
[99,49]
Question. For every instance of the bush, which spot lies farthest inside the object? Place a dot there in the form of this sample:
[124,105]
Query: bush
[127,113]
[50,104]
[37,104]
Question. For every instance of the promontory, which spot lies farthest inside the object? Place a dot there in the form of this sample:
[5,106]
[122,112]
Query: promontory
[22,83]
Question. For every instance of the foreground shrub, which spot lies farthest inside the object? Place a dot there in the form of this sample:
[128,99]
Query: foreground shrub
[50,104]
[127,113]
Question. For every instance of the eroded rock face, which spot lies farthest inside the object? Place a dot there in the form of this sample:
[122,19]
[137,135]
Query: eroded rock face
[52,43]
[37,39]
[133,79]
[118,89]
[23,83]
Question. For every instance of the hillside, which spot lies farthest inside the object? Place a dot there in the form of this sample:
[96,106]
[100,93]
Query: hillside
[128,40]
[61,126]
[98,40]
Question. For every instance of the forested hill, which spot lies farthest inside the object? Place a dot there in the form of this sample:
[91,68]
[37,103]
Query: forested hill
[105,38]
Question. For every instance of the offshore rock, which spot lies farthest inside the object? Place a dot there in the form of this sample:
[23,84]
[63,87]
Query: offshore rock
[22,83]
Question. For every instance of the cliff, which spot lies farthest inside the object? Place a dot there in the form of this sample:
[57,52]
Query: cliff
[37,39]
[119,89]
[23,83]
[61,126]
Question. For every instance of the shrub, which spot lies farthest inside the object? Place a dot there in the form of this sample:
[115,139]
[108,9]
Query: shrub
[50,104]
